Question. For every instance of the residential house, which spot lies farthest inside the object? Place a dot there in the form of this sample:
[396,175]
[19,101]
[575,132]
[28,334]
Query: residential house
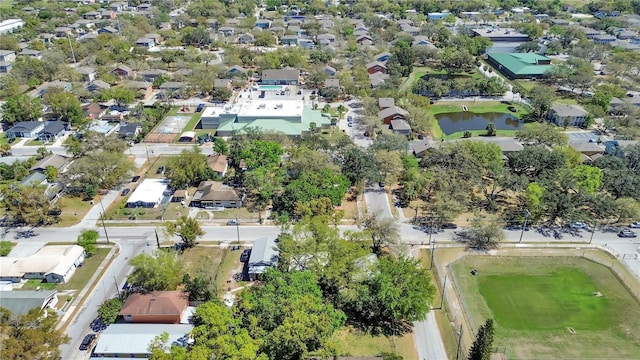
[118,6]
[411,30]
[180,196]
[507,145]
[63,31]
[23,301]
[132,340]
[148,194]
[144,89]
[306,44]
[129,130]
[218,163]
[210,194]
[296,30]
[520,65]
[377,79]
[264,255]
[332,83]
[59,162]
[423,41]
[42,89]
[376,67]
[93,111]
[329,71]
[97,86]
[588,148]
[53,264]
[226,31]
[157,307]
[434,16]
[212,23]
[289,40]
[10,25]
[108,30]
[146,42]
[34,179]
[245,38]
[326,24]
[92,15]
[108,14]
[400,127]
[173,88]
[35,54]
[264,24]
[53,130]
[223,84]
[123,71]
[567,115]
[235,70]
[25,129]
[364,39]
[280,77]
[7,55]
[5,67]
[88,74]
[103,127]
[326,38]
[392,113]
[419,148]
[604,39]
[384,103]
[151,75]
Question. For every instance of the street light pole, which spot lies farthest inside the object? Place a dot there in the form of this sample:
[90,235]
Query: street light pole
[593,231]
[526,217]
[459,343]
[104,227]
[238,229]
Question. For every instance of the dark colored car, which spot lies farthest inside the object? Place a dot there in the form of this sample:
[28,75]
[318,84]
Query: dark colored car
[245,255]
[125,192]
[626,233]
[200,107]
[449,226]
[87,342]
[381,184]
[54,212]
[135,178]
[160,170]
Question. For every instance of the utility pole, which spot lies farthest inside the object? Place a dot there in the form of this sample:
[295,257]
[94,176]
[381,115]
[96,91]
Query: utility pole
[157,238]
[444,288]
[524,225]
[459,342]
[72,53]
[433,250]
[104,227]
[115,281]
[593,231]
[238,229]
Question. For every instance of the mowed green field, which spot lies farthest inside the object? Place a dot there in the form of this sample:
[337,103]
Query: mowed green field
[535,300]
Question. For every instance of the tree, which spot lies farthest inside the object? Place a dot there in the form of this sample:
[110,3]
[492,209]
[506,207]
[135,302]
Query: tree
[87,239]
[199,288]
[287,311]
[187,228]
[262,185]
[21,108]
[542,133]
[220,146]
[30,336]
[455,60]
[396,292]
[389,164]
[187,169]
[51,172]
[109,310]
[103,169]
[383,231]
[541,99]
[356,164]
[28,205]
[257,153]
[530,46]
[65,106]
[483,235]
[491,129]
[122,96]
[312,185]
[482,345]
[159,271]
[221,94]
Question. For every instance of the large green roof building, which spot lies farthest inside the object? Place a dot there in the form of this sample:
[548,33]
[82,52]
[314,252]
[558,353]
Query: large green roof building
[520,65]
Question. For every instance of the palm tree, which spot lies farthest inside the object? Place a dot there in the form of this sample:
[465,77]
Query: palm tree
[341,110]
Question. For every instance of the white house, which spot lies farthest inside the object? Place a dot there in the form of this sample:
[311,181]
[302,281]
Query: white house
[148,194]
[53,264]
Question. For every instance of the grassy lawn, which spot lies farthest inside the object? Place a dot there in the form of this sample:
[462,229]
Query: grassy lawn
[34,142]
[240,213]
[417,73]
[5,247]
[73,210]
[173,211]
[79,280]
[352,342]
[526,84]
[479,107]
[333,134]
[213,263]
[536,300]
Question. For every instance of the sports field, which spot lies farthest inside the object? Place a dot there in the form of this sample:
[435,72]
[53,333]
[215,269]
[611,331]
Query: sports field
[551,307]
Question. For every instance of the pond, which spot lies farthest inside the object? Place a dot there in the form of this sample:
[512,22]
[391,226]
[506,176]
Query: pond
[462,121]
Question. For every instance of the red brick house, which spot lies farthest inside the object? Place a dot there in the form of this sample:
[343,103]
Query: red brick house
[392,113]
[376,67]
[158,307]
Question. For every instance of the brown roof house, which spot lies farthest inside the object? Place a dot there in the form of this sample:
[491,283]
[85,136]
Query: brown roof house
[218,163]
[214,194]
[392,113]
[158,307]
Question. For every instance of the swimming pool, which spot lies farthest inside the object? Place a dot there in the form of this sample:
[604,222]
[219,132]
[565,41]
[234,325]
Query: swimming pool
[270,87]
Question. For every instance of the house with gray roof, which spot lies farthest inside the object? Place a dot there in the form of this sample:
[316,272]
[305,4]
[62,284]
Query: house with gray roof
[21,302]
[25,129]
[567,115]
[400,127]
[264,255]
[132,340]
[280,77]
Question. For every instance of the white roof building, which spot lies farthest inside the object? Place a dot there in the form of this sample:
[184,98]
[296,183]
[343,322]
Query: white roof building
[149,193]
[56,264]
[132,340]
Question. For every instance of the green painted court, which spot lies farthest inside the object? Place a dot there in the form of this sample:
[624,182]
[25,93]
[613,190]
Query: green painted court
[551,307]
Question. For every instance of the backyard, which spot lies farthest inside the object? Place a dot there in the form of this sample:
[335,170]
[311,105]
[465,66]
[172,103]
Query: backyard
[73,208]
[551,307]
[351,342]
[214,263]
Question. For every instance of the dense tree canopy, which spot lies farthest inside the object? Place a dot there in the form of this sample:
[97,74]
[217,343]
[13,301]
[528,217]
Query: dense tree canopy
[30,336]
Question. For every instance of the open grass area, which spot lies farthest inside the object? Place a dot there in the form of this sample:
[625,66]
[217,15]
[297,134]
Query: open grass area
[170,211]
[34,142]
[526,84]
[538,301]
[5,247]
[73,210]
[351,342]
[212,262]
[79,279]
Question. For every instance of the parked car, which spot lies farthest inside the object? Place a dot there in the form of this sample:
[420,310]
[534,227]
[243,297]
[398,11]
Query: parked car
[160,170]
[635,225]
[233,222]
[135,178]
[349,118]
[626,233]
[200,108]
[578,225]
[125,192]
[381,184]
[449,225]
[245,255]
[87,342]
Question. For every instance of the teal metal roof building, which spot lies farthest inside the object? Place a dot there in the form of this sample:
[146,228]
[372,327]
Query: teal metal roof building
[520,65]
